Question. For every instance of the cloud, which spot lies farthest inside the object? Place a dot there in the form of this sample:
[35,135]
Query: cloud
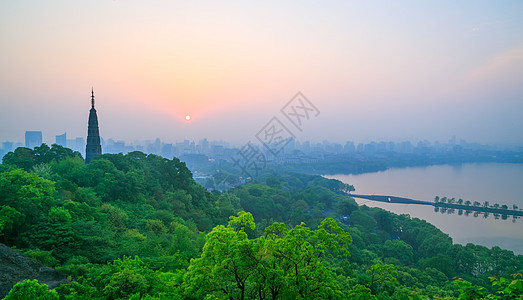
[501,72]
[500,65]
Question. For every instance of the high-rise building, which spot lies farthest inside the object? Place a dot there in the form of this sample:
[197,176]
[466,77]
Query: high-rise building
[61,140]
[80,144]
[93,147]
[33,139]
[7,146]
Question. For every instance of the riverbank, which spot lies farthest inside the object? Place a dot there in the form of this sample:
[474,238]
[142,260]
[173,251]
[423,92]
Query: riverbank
[478,182]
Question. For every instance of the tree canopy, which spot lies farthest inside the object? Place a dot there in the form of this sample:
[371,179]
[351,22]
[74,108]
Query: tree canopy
[138,226]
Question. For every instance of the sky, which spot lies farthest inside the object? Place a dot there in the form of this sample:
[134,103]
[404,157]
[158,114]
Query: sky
[375,70]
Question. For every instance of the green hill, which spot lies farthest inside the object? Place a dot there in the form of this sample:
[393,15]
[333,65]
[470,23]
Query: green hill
[138,226]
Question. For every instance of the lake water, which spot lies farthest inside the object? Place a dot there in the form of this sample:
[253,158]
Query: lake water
[493,182]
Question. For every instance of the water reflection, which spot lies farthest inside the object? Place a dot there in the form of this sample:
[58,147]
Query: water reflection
[484,214]
[491,183]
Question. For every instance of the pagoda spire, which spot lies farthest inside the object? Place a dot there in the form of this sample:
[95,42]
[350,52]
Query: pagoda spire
[92,97]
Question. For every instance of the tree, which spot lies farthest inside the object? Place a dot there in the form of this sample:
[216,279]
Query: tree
[384,220]
[21,157]
[469,291]
[127,278]
[272,182]
[31,289]
[434,244]
[10,219]
[305,251]
[283,263]
[27,193]
[439,262]
[382,278]
[361,292]
[347,188]
[226,262]
[509,289]
[360,219]
[26,158]
[506,288]
[346,206]
[398,249]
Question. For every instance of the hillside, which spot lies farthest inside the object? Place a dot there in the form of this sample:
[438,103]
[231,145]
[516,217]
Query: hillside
[15,267]
[139,226]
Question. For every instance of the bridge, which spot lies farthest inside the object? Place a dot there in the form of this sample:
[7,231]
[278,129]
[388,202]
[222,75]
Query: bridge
[402,200]
[390,199]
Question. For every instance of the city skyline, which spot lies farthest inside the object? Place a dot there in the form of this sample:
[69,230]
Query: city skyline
[66,141]
[375,71]
[204,146]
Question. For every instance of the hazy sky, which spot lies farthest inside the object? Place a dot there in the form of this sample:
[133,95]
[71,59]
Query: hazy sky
[376,70]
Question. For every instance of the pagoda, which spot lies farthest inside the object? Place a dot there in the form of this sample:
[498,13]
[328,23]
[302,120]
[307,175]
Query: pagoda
[93,147]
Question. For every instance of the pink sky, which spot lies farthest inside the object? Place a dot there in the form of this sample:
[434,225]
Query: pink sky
[377,70]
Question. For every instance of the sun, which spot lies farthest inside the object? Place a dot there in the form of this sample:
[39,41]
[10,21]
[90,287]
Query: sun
[187,118]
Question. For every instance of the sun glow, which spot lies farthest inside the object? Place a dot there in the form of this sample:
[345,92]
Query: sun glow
[187,118]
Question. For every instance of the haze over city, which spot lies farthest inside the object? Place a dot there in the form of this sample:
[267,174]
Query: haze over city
[375,70]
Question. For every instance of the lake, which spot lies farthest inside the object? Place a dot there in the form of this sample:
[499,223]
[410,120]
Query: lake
[493,182]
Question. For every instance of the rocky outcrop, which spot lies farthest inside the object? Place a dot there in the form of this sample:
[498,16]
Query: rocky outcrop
[15,267]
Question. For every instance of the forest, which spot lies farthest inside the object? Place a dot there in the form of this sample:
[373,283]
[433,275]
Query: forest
[138,226]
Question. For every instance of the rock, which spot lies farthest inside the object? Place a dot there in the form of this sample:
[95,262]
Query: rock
[16,267]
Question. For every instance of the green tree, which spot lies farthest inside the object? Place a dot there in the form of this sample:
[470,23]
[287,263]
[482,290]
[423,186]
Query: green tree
[10,219]
[26,158]
[289,264]
[360,292]
[300,255]
[362,220]
[382,278]
[398,249]
[44,154]
[506,288]
[509,288]
[27,193]
[384,220]
[53,233]
[21,157]
[227,261]
[346,206]
[29,290]
[439,262]
[435,244]
[126,278]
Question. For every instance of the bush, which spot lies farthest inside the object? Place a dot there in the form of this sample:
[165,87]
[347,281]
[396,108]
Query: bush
[31,290]
[43,257]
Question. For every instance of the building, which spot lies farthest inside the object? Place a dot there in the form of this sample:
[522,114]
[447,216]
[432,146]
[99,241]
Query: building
[33,139]
[8,146]
[93,147]
[61,140]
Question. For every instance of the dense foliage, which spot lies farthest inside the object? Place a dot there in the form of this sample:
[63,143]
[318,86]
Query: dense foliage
[138,226]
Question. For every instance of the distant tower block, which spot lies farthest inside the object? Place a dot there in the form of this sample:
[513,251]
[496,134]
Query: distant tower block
[61,140]
[33,139]
[93,147]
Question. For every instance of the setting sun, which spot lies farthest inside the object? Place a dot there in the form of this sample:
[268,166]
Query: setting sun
[187,118]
